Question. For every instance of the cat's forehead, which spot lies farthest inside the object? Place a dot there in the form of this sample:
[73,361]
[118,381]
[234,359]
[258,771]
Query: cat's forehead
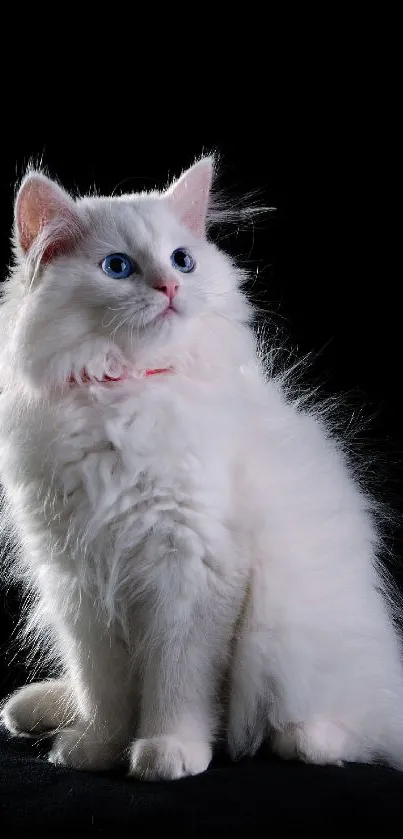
[145,219]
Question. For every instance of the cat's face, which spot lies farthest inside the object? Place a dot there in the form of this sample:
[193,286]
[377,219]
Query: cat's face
[137,270]
[142,271]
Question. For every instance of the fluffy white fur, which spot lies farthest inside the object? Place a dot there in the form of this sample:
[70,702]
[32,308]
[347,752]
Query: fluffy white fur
[201,557]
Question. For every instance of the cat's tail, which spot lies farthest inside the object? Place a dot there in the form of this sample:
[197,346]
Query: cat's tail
[382,726]
[389,748]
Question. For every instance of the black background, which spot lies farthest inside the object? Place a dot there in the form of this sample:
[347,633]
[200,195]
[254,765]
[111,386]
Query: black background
[329,275]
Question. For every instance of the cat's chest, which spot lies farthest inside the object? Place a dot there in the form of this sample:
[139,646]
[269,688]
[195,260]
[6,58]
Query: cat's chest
[158,444]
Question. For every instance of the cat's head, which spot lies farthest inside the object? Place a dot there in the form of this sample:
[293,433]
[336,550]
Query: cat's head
[102,281]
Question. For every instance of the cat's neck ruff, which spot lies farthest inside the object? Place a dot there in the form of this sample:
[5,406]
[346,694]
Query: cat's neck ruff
[85,378]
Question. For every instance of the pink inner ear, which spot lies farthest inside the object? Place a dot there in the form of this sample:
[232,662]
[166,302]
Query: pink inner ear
[189,196]
[41,202]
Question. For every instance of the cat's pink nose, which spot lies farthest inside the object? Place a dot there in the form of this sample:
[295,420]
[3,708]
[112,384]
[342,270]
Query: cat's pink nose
[168,287]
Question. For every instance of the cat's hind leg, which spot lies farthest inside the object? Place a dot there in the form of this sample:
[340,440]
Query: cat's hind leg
[319,684]
[39,708]
[321,742]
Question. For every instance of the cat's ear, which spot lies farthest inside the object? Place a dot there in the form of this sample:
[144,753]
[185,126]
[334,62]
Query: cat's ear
[189,195]
[42,206]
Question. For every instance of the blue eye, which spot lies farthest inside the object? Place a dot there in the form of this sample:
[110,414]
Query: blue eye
[119,266]
[183,260]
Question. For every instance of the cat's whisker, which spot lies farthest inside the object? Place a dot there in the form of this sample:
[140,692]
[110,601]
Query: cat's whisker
[119,326]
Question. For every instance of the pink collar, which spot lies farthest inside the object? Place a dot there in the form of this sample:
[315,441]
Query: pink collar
[86,379]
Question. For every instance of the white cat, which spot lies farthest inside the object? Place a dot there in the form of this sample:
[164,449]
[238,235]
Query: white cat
[202,558]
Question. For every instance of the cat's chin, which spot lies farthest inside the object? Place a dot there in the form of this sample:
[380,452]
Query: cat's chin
[169,314]
[158,336]
[157,327]
[170,324]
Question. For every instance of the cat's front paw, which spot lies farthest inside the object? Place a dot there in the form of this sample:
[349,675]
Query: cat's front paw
[84,750]
[167,758]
